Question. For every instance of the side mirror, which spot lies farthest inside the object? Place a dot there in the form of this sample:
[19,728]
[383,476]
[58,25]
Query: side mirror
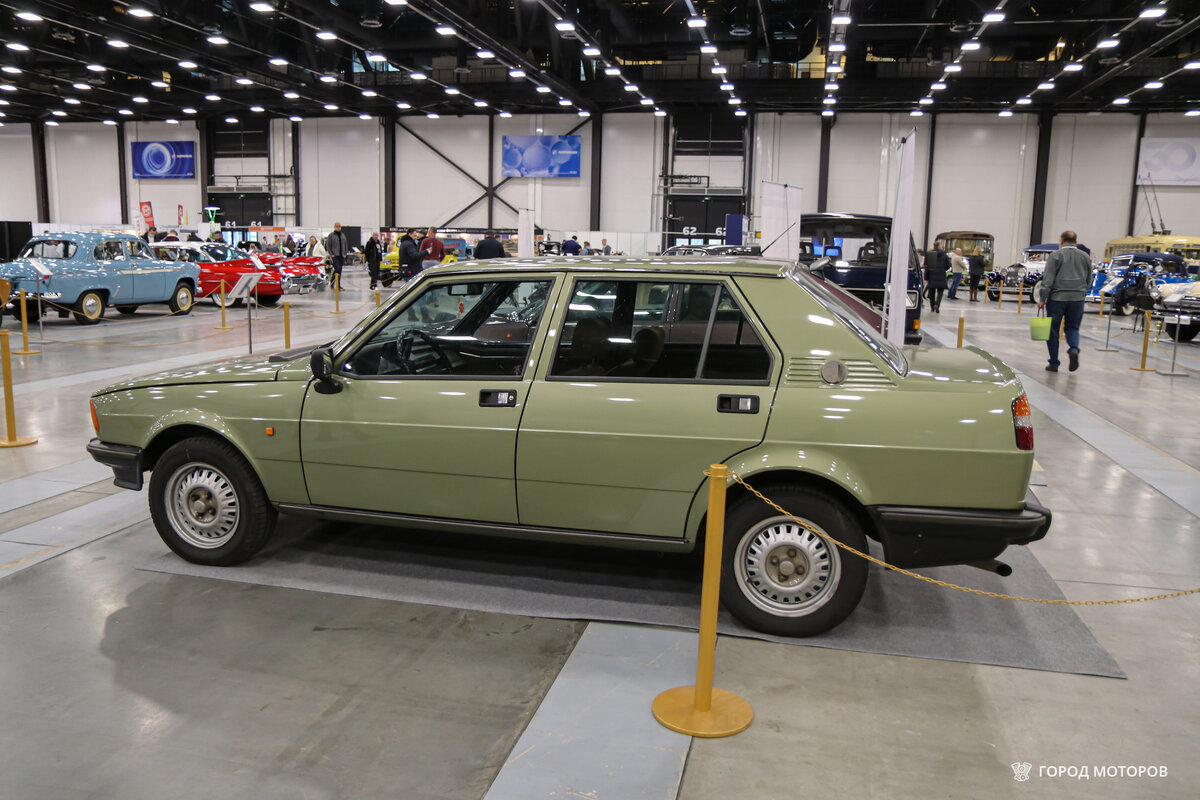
[321,364]
[820,264]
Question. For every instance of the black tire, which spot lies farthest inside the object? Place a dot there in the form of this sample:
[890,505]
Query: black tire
[993,294]
[813,585]
[89,307]
[207,503]
[127,310]
[269,300]
[182,299]
[1186,333]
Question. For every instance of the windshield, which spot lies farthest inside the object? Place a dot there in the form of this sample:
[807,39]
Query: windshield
[875,340]
[857,242]
[223,252]
[58,249]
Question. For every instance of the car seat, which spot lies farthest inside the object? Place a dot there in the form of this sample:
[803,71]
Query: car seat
[648,344]
[590,346]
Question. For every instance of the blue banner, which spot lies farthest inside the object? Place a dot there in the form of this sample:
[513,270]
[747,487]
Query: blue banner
[540,157]
[164,160]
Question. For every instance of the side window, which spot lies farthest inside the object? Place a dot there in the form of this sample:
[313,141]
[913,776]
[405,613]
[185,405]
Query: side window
[735,353]
[139,250]
[109,251]
[480,329]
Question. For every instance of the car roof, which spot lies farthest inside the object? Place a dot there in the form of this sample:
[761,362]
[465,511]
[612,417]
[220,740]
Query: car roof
[843,215]
[1150,256]
[709,265]
[84,237]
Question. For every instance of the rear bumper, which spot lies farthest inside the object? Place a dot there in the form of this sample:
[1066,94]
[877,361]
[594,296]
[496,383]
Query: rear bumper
[933,537]
[125,460]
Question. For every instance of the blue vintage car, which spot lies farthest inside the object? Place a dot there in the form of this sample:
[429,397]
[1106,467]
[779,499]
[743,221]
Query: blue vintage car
[83,273]
[1118,281]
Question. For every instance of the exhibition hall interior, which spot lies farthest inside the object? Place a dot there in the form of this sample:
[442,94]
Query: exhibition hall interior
[625,399]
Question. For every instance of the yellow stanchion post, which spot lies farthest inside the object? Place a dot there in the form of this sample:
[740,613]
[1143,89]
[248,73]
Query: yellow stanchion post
[10,417]
[1145,346]
[702,710]
[1020,298]
[378,298]
[223,326]
[1000,295]
[287,325]
[962,321]
[25,351]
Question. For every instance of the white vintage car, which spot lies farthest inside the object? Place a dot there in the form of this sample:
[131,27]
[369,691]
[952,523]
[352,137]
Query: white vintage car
[1179,306]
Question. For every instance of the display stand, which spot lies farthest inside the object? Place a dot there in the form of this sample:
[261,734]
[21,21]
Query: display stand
[244,290]
[1107,330]
[1180,321]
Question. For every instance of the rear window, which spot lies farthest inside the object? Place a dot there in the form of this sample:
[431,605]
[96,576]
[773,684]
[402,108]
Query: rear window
[59,249]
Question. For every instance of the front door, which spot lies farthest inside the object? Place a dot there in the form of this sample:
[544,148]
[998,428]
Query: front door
[425,423]
[633,404]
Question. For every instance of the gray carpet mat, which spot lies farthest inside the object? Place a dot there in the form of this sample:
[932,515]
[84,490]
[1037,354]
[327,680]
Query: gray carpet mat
[897,616]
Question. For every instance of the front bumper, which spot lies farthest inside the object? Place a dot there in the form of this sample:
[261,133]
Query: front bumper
[125,460]
[934,537]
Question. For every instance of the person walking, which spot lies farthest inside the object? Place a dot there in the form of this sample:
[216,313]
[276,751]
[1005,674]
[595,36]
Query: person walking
[936,265]
[374,257]
[338,247]
[958,266]
[571,246]
[976,265]
[432,249]
[1064,285]
[489,247]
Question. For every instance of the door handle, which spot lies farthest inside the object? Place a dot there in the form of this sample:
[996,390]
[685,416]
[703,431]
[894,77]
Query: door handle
[737,403]
[499,398]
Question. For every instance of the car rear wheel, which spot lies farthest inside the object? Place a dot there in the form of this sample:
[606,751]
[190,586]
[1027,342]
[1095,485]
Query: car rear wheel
[89,308]
[182,299]
[993,293]
[781,578]
[269,299]
[126,309]
[1186,332]
[207,503]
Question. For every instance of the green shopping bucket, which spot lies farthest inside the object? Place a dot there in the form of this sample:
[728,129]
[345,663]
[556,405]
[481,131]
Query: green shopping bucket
[1039,329]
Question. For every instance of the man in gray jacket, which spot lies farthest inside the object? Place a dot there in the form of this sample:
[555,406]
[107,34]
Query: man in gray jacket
[1064,285]
[338,247]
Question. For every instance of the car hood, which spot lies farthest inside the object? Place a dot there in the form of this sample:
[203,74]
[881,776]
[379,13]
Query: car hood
[965,369]
[237,370]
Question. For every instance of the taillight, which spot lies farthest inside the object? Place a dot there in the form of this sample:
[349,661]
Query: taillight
[95,419]
[1023,423]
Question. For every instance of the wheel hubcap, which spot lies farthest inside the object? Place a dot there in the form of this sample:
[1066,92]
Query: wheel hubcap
[202,506]
[183,298]
[91,305]
[785,569]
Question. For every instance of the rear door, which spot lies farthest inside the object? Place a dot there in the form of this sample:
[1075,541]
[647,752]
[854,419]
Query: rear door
[149,275]
[627,411]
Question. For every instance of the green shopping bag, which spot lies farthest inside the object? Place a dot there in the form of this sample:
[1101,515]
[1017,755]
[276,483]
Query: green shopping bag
[1039,327]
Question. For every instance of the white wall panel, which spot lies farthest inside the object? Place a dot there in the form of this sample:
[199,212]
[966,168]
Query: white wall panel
[1177,207]
[787,149]
[983,178]
[341,168]
[165,195]
[83,170]
[18,201]
[632,147]
[430,191]
[1089,179]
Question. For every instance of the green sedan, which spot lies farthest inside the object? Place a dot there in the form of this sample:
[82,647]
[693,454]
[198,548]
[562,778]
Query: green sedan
[581,401]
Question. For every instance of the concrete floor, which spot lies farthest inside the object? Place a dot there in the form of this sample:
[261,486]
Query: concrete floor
[122,683]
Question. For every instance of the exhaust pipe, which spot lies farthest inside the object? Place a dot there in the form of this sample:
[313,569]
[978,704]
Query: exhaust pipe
[992,565]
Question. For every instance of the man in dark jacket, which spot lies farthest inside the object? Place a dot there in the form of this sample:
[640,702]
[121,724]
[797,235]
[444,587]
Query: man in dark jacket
[571,246]
[373,256]
[936,265]
[489,247]
[338,247]
[1064,285]
[409,257]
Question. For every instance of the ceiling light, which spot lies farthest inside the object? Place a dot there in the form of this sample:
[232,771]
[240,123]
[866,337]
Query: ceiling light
[708,49]
[1192,65]
[171,121]
[583,112]
[125,112]
[71,101]
[1195,112]
[257,109]
[140,12]
[696,22]
[330,107]
[1121,101]
[452,90]
[827,101]
[647,101]
[728,87]
[1046,86]
[417,76]
[1005,113]
[1023,101]
[741,112]
[953,68]
[481,103]
[516,73]
[1073,67]
[658,112]
[326,36]
[1147,13]
[20,48]
[564,25]
[51,123]
[445,30]
[218,39]
[937,87]
[718,69]
[140,99]
[110,122]
[212,97]
[403,105]
[591,51]
[833,69]
[484,54]
[28,16]
[369,93]
[83,87]
[1153,85]
[836,47]
[189,110]
[8,87]
[11,70]
[831,86]
[396,2]
[562,101]
[1060,44]
[971,45]
[97,68]
[994,16]
[58,113]
[328,79]
[244,81]
[926,101]
[231,120]
[262,8]
[841,19]
[631,87]
[282,62]
[185,64]
[364,116]
[829,112]
[159,84]
[505,114]
[295,119]
[543,89]
[292,95]
[3,102]
[432,115]
[1107,44]
[916,112]
[612,71]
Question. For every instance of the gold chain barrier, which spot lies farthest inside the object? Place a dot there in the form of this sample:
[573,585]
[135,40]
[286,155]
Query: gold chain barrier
[945,584]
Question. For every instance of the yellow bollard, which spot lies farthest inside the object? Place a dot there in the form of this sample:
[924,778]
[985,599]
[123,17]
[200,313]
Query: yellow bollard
[25,351]
[961,322]
[10,418]
[1020,298]
[378,298]
[287,325]
[1000,295]
[701,710]
[337,294]
[223,326]
[1145,346]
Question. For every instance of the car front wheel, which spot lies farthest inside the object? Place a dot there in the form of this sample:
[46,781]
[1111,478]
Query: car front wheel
[781,578]
[207,503]
[1186,332]
[182,299]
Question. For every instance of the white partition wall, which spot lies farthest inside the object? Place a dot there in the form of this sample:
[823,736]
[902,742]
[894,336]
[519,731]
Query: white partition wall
[341,168]
[1088,182]
[83,171]
[18,201]
[1177,207]
[165,195]
[983,178]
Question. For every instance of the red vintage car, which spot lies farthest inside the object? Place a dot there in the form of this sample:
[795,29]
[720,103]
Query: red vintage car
[220,262]
[300,274]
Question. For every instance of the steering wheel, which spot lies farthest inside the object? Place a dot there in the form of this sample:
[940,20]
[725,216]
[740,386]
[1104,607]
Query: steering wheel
[405,347]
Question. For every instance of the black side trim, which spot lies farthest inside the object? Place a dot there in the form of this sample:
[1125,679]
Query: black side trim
[933,537]
[125,460]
